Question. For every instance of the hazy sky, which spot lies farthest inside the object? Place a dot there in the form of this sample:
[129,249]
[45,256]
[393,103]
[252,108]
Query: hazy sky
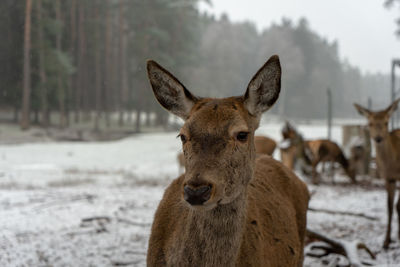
[364,28]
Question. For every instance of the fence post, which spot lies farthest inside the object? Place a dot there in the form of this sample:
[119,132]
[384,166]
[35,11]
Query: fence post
[393,90]
[329,93]
[392,96]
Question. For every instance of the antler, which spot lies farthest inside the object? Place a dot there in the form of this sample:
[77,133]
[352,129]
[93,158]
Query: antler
[348,249]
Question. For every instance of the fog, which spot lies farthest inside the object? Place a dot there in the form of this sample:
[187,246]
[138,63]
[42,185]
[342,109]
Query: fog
[364,29]
[86,60]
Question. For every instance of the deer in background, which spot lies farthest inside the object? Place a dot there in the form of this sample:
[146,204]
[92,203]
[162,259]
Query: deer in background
[387,147]
[312,152]
[292,148]
[264,145]
[229,208]
[323,150]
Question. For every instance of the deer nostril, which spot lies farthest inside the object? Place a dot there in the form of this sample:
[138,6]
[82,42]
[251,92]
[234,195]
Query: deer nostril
[203,190]
[198,195]
[378,139]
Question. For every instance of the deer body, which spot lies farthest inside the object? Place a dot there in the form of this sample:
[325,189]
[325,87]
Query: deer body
[312,152]
[229,208]
[388,155]
[387,147]
[264,145]
[323,150]
[260,224]
[293,148]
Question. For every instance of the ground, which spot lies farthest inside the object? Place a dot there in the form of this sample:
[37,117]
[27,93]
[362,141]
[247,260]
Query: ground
[92,204]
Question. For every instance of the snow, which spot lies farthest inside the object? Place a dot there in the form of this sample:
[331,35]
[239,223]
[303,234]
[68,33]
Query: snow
[47,190]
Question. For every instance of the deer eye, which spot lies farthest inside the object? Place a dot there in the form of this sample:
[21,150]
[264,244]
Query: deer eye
[183,138]
[242,136]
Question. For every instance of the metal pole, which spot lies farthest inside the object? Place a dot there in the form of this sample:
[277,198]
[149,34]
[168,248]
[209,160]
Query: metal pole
[369,103]
[329,93]
[392,95]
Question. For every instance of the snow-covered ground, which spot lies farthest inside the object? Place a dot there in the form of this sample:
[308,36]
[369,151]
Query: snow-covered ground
[92,204]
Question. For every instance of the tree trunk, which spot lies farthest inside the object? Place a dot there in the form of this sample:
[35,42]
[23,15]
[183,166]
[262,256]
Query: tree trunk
[97,72]
[148,119]
[114,70]
[60,86]
[25,120]
[42,71]
[86,71]
[72,53]
[122,60]
[16,112]
[129,118]
[36,116]
[81,57]
[107,73]
[138,116]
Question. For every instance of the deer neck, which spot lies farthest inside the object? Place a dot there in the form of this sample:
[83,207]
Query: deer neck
[212,238]
[384,150]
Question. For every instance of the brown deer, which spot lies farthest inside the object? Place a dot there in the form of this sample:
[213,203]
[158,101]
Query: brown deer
[229,208]
[311,153]
[264,145]
[387,147]
[292,148]
[323,150]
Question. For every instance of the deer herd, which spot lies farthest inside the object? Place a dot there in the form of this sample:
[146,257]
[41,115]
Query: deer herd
[233,204]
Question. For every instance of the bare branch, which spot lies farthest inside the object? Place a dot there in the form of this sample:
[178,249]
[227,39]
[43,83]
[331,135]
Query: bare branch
[356,214]
[349,249]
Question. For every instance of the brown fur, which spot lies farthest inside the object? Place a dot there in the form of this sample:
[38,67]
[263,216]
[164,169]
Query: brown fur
[323,150]
[387,155]
[312,152]
[264,145]
[274,224]
[295,151]
[256,211]
[289,156]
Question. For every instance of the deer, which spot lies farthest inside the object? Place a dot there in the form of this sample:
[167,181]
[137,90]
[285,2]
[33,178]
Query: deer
[292,148]
[323,150]
[229,208]
[311,153]
[264,145]
[387,147]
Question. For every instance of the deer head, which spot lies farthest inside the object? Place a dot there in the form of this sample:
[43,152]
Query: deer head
[378,122]
[218,134]
[288,131]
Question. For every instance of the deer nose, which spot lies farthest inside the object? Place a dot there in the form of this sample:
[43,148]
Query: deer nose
[198,195]
[378,139]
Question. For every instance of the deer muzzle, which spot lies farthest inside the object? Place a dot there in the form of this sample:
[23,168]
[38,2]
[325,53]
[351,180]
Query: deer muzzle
[197,195]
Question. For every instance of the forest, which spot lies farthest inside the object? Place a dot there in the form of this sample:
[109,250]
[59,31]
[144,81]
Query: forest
[71,62]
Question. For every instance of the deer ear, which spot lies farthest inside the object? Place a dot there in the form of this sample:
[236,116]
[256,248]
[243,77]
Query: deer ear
[263,89]
[389,110]
[169,91]
[363,111]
